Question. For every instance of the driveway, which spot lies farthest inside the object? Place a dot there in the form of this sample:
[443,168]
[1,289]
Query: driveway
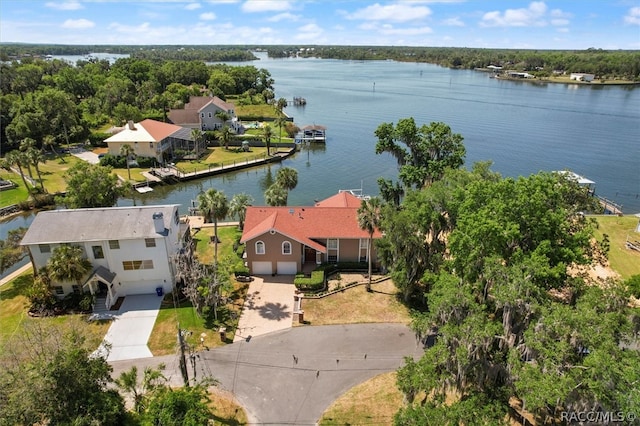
[131,328]
[87,156]
[292,376]
[268,306]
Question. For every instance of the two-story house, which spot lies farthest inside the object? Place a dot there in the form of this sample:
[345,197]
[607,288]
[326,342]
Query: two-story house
[201,112]
[281,240]
[131,249]
[155,139]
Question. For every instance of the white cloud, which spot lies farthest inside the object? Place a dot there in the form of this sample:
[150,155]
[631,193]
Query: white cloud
[193,6]
[142,28]
[633,16]
[531,16]
[563,30]
[290,17]
[399,12]
[78,24]
[208,16]
[453,22]
[412,31]
[72,5]
[265,6]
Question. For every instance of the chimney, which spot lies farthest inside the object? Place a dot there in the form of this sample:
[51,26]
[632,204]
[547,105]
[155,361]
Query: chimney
[158,222]
[131,125]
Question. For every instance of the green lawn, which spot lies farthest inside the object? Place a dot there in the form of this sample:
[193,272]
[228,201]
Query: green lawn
[219,156]
[163,338]
[624,261]
[53,171]
[14,318]
[15,195]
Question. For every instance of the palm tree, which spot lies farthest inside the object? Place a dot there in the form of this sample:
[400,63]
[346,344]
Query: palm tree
[34,156]
[198,137]
[369,220]
[152,380]
[280,121]
[214,206]
[238,206]
[17,158]
[223,115]
[267,134]
[68,263]
[225,135]
[127,151]
[25,145]
[276,195]
[287,178]
[50,141]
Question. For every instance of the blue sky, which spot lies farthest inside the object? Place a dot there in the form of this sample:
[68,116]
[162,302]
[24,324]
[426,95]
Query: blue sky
[550,24]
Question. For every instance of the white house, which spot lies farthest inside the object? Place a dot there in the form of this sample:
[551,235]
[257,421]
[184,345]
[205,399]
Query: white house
[130,248]
[580,76]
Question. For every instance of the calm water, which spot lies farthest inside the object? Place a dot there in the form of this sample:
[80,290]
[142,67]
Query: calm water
[523,128]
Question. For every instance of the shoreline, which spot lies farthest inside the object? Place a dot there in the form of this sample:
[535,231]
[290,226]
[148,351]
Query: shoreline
[544,80]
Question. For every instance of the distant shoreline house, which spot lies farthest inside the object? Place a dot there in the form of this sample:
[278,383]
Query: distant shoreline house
[131,249]
[155,139]
[201,113]
[281,240]
[580,76]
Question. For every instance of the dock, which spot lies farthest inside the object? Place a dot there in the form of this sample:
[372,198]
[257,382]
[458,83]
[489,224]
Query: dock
[312,134]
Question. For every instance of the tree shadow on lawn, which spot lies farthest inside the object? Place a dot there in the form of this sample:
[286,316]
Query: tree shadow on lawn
[18,288]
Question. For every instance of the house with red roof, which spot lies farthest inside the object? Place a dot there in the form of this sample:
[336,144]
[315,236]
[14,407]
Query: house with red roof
[282,240]
[201,113]
[151,138]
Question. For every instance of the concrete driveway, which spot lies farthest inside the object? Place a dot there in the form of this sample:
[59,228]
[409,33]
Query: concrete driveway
[131,328]
[87,156]
[268,307]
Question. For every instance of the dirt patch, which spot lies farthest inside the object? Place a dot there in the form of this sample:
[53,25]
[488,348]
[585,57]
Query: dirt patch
[342,279]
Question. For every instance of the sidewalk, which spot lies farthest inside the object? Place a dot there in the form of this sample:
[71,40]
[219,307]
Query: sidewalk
[14,274]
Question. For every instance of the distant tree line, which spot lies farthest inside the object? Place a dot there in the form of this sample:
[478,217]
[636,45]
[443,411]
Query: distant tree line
[167,52]
[55,103]
[608,64]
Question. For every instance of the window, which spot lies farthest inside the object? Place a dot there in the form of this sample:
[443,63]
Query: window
[202,114]
[210,115]
[97,252]
[133,265]
[114,244]
[59,290]
[150,242]
[44,248]
[332,244]
[364,243]
[151,145]
[259,247]
[286,247]
[176,217]
[76,289]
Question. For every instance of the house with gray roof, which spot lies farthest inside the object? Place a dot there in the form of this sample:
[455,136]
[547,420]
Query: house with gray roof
[201,112]
[131,249]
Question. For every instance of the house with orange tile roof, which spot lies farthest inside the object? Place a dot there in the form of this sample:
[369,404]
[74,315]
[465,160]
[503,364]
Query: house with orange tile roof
[201,113]
[282,240]
[151,138]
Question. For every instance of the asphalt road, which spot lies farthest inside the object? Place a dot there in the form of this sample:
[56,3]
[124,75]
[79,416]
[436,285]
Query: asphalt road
[291,377]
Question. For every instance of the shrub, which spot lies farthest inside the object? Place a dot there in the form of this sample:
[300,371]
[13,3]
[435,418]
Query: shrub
[634,285]
[313,283]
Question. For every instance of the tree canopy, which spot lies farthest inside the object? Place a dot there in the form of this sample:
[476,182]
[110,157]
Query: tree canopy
[91,185]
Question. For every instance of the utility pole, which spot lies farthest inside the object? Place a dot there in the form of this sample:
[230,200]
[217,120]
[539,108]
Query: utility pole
[183,361]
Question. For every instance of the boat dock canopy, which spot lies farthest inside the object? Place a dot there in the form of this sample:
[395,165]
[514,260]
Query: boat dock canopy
[576,177]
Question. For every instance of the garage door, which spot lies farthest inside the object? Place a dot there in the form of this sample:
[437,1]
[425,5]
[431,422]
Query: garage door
[261,268]
[287,268]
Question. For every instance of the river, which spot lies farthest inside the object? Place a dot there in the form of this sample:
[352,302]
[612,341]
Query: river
[522,127]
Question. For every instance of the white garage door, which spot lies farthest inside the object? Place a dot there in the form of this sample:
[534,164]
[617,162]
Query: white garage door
[261,268]
[287,268]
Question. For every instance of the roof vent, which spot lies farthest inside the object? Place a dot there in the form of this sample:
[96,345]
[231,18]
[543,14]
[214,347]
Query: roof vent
[158,222]
[131,125]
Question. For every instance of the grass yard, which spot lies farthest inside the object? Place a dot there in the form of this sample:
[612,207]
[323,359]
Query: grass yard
[624,261]
[373,402]
[219,156]
[205,248]
[136,174]
[355,305]
[53,171]
[15,195]
[226,410]
[163,338]
[14,319]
